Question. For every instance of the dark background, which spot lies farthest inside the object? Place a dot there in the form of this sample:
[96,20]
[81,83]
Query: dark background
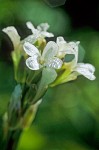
[83,13]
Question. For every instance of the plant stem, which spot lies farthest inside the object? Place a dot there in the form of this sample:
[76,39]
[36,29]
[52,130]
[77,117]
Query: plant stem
[12,139]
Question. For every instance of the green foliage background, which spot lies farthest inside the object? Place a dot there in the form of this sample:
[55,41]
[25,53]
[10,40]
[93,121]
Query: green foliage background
[68,118]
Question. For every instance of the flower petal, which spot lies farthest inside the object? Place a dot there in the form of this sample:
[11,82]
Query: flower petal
[60,40]
[50,50]
[32,63]
[13,34]
[43,27]
[88,66]
[30,26]
[62,44]
[35,31]
[86,70]
[46,34]
[55,63]
[41,30]
[31,39]
[30,49]
[72,48]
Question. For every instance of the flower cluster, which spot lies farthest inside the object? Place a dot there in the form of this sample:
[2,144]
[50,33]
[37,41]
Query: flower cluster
[39,64]
[53,53]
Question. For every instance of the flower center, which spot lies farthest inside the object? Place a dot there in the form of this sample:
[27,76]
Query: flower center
[41,61]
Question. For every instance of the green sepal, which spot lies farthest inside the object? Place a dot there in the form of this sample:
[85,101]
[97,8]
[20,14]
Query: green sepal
[20,70]
[48,76]
[81,53]
[14,108]
[62,78]
[21,73]
[29,115]
[16,56]
[33,76]
[30,94]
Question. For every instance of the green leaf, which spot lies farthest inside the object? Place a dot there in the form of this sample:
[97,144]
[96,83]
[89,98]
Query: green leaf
[48,76]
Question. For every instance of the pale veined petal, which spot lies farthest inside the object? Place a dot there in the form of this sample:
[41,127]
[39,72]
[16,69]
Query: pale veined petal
[43,27]
[60,40]
[30,26]
[35,31]
[32,63]
[50,50]
[13,34]
[90,67]
[30,49]
[46,34]
[72,48]
[55,63]
[41,30]
[62,44]
[86,70]
[30,39]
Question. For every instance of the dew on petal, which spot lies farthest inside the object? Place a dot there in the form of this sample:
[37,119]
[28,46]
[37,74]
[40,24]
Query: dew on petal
[55,63]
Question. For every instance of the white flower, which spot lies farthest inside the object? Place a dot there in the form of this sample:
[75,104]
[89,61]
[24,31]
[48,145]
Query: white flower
[13,35]
[41,31]
[67,47]
[48,57]
[73,68]
[84,69]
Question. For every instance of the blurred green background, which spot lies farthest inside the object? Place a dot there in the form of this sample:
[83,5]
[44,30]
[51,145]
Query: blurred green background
[68,118]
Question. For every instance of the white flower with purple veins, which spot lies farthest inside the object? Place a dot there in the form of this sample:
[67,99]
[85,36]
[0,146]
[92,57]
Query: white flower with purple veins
[41,31]
[47,58]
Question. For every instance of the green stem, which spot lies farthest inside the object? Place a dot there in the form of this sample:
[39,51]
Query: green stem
[11,141]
